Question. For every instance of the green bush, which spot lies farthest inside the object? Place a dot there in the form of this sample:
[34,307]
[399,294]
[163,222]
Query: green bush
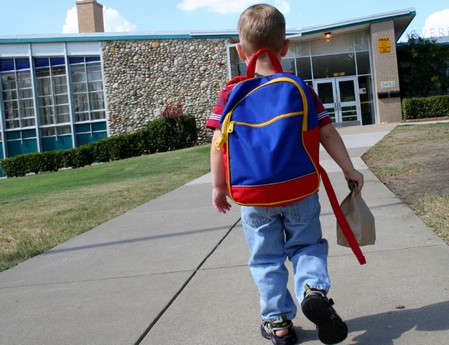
[118,147]
[100,150]
[51,161]
[33,162]
[425,107]
[80,156]
[158,132]
[170,133]
[188,134]
[14,167]
[160,135]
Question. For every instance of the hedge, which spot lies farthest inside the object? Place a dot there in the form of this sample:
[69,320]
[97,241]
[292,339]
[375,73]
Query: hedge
[419,108]
[160,135]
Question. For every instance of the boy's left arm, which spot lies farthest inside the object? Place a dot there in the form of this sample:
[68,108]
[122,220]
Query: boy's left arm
[334,145]
[218,173]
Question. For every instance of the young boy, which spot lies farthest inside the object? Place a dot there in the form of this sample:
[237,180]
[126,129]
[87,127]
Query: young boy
[292,231]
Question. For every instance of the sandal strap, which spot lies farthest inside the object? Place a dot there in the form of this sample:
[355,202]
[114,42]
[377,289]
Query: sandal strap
[269,329]
[279,325]
[312,291]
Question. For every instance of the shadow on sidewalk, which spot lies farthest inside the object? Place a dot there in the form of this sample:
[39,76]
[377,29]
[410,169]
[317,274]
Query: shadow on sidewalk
[387,327]
[134,240]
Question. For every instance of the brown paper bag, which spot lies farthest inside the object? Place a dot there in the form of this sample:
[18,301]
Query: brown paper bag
[360,219]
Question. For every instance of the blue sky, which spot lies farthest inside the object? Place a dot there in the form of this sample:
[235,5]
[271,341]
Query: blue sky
[58,16]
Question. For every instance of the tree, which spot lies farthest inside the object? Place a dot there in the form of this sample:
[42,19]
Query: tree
[423,67]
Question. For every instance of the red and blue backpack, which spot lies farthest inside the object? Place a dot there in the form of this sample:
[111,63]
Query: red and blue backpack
[270,143]
[270,138]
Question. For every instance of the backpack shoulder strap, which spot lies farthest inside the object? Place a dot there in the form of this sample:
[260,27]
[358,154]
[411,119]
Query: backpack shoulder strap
[237,80]
[250,71]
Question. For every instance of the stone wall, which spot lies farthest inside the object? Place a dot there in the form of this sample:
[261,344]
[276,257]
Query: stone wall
[142,77]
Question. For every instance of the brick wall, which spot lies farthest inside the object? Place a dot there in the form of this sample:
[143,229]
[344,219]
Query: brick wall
[90,16]
[386,72]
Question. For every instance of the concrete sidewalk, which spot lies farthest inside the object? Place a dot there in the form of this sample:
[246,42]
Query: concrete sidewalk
[174,272]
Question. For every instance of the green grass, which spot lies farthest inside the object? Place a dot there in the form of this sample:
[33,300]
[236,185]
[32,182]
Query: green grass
[40,211]
[433,209]
[417,153]
[392,155]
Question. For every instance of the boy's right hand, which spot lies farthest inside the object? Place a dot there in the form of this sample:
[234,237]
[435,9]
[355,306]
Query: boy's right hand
[356,177]
[219,199]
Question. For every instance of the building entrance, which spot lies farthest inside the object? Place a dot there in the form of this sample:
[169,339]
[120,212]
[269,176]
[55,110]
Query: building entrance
[341,99]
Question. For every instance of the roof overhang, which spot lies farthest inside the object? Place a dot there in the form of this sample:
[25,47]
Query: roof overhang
[111,36]
[401,19]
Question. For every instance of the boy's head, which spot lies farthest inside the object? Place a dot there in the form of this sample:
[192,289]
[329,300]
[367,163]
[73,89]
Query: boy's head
[261,26]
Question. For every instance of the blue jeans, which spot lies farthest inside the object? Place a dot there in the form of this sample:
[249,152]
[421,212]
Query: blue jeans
[275,234]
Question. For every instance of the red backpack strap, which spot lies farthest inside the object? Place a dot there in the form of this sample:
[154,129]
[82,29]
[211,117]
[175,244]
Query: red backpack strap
[236,80]
[251,69]
[345,228]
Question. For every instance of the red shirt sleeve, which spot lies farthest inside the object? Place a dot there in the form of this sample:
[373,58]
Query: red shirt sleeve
[214,120]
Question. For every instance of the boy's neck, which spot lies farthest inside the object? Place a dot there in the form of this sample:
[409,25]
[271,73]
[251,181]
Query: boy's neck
[264,66]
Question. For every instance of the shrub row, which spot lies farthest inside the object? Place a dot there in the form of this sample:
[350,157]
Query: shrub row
[419,108]
[160,135]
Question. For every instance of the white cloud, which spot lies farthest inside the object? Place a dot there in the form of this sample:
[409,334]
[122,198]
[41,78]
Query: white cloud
[219,6]
[230,6]
[282,5]
[113,21]
[437,25]
[71,22]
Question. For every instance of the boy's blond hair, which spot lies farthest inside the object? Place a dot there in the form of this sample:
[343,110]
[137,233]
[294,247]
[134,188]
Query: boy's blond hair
[261,26]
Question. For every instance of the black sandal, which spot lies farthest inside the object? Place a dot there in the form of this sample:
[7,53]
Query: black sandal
[269,329]
[318,309]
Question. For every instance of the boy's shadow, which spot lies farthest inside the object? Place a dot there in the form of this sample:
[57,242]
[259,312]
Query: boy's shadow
[386,327]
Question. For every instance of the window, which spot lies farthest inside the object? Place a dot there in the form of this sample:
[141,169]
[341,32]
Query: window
[42,98]
[333,66]
[335,45]
[361,40]
[303,68]
[288,65]
[363,64]
[241,68]
[52,92]
[55,131]
[366,100]
[17,93]
[300,49]
[87,89]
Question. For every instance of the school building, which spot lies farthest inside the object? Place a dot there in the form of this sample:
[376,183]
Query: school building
[62,91]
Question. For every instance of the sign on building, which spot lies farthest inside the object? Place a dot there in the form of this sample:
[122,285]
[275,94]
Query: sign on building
[384,45]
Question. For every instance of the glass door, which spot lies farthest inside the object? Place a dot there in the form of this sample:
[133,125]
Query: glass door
[348,101]
[341,99]
[325,89]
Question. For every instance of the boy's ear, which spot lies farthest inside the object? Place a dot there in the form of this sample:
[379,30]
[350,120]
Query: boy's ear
[242,55]
[285,47]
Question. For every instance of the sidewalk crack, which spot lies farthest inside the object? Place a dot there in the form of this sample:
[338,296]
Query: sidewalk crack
[186,283]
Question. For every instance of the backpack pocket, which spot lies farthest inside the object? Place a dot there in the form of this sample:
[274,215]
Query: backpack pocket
[269,163]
